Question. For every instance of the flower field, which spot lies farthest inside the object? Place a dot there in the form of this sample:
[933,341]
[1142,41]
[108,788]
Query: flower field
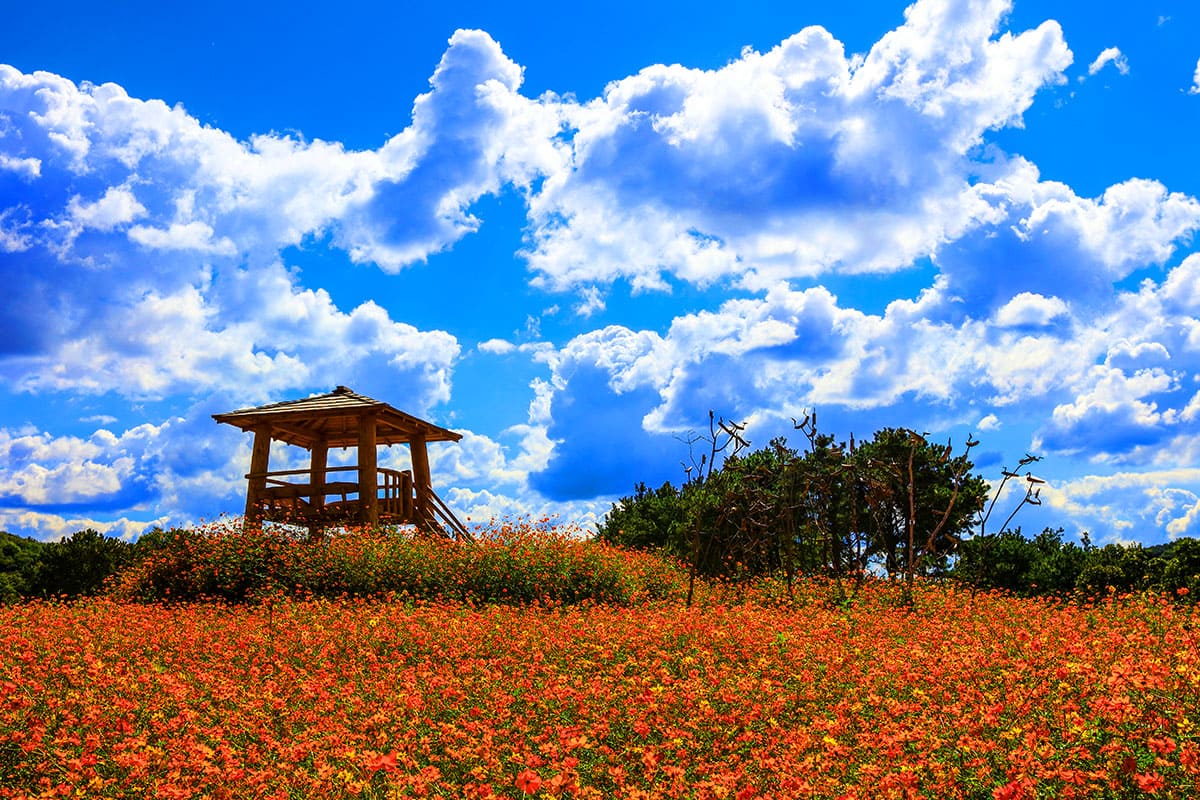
[961,696]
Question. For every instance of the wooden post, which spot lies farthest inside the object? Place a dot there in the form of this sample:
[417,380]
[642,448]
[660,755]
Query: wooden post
[316,478]
[368,470]
[421,479]
[260,457]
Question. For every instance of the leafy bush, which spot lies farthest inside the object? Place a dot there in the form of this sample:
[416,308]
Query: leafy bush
[18,557]
[77,565]
[515,562]
[1046,565]
[1181,570]
[1008,560]
[650,519]
[1113,568]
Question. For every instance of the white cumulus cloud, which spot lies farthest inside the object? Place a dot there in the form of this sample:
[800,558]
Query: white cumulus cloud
[792,162]
[496,346]
[1123,506]
[160,272]
[1110,55]
[1030,309]
[146,258]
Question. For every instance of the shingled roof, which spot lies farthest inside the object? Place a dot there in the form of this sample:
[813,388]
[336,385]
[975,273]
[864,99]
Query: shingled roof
[334,417]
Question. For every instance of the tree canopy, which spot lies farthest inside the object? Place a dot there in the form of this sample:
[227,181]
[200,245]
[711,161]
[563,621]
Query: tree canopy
[895,502]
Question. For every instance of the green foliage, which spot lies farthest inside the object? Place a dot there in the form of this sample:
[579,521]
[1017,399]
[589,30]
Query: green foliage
[1116,568]
[648,520]
[919,483]
[18,556]
[1056,566]
[897,501]
[1181,569]
[736,519]
[77,565]
[17,552]
[730,504]
[1046,565]
[516,563]
[1010,561]
[996,561]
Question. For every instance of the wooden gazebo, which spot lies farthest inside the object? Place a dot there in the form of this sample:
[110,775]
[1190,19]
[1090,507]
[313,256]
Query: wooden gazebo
[363,493]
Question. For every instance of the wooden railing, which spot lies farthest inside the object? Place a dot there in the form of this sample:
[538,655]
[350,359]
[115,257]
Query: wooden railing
[443,519]
[395,495]
[284,499]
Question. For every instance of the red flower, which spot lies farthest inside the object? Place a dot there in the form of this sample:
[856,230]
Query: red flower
[1163,745]
[1149,782]
[528,782]
[387,762]
[1014,790]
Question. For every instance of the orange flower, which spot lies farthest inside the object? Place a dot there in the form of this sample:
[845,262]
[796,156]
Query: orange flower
[295,698]
[559,782]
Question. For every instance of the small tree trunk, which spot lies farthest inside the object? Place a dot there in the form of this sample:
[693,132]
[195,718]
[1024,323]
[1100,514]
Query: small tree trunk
[909,565]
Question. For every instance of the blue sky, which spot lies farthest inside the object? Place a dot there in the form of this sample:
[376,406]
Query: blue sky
[569,232]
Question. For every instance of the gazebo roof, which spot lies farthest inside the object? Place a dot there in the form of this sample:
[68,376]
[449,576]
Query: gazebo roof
[334,417]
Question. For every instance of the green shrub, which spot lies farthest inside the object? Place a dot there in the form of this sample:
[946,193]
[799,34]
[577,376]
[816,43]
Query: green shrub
[77,565]
[1180,574]
[18,558]
[516,562]
[1047,565]
[1114,568]
[1010,561]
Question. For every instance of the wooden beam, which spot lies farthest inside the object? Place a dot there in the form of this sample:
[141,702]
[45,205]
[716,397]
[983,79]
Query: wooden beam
[320,457]
[316,468]
[421,479]
[368,471]
[260,457]
[297,430]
